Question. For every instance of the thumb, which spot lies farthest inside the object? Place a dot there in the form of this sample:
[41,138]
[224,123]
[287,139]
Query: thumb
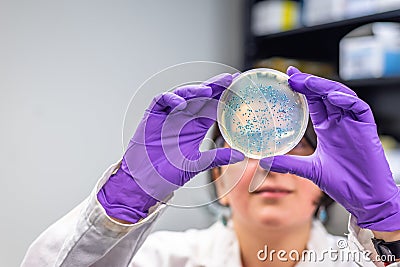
[292,70]
[299,165]
[210,159]
[219,157]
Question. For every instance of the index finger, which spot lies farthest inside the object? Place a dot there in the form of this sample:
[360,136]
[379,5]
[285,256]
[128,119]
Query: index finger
[323,87]
[219,83]
[193,91]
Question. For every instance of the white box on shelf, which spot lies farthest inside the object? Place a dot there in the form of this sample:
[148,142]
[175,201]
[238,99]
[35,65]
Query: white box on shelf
[373,56]
[357,8]
[360,57]
[322,11]
[386,5]
[274,16]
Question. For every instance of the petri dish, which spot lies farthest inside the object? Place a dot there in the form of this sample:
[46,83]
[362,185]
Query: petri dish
[260,115]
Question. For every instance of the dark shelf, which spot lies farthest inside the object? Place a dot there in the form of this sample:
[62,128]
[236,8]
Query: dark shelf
[393,15]
[389,82]
[318,42]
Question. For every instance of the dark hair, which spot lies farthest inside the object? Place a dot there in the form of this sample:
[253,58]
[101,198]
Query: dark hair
[311,138]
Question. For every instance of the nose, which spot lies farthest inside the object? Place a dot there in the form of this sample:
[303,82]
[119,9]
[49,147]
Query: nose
[274,175]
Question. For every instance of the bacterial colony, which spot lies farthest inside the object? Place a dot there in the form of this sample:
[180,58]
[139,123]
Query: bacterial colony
[260,115]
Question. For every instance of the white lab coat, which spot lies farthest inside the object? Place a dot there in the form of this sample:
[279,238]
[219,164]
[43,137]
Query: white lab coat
[86,236]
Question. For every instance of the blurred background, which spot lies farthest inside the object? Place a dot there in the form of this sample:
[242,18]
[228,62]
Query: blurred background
[69,68]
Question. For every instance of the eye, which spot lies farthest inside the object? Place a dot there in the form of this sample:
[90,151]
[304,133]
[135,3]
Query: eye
[302,148]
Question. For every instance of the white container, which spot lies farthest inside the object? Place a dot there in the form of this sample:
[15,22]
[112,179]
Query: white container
[322,11]
[386,5]
[274,16]
[360,57]
[374,55]
[358,8]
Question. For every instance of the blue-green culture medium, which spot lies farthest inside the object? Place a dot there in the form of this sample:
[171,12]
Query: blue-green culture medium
[260,115]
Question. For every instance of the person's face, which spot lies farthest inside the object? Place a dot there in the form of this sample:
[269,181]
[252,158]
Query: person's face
[281,200]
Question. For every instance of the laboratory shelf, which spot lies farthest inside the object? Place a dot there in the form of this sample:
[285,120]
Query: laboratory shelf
[392,83]
[319,42]
[342,25]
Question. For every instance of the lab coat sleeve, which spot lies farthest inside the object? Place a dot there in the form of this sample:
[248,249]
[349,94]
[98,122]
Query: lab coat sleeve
[360,240]
[86,236]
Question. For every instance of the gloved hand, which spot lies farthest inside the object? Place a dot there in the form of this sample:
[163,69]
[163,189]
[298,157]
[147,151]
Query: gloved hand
[349,163]
[164,151]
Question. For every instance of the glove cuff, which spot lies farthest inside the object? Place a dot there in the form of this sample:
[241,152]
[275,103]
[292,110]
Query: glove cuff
[385,216]
[122,198]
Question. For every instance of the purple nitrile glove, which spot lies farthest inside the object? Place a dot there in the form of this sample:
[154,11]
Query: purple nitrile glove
[164,152]
[349,163]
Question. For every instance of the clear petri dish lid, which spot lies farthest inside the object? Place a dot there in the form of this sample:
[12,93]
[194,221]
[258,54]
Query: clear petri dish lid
[260,115]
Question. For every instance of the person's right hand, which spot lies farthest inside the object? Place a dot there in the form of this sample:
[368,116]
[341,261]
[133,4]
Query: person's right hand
[349,163]
[164,151]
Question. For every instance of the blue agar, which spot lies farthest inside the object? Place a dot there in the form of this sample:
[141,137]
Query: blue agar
[260,115]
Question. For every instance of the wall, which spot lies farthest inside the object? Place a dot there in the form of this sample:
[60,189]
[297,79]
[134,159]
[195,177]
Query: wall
[68,70]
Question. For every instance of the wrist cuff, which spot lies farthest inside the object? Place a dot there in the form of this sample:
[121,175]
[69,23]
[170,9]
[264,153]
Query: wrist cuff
[122,198]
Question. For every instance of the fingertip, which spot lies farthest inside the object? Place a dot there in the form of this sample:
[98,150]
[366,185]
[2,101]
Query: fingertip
[224,156]
[292,70]
[275,164]
[222,80]
[235,75]
[297,82]
[179,105]
[219,83]
[174,101]
[193,91]
[167,101]
[236,156]
[265,163]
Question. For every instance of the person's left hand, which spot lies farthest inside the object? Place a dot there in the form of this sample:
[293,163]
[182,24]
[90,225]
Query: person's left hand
[349,163]
[164,153]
